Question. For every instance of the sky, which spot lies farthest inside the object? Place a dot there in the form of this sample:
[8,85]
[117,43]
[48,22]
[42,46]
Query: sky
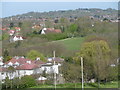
[15,8]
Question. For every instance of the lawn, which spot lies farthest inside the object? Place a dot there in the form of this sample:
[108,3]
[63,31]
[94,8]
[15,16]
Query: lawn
[71,43]
[78,85]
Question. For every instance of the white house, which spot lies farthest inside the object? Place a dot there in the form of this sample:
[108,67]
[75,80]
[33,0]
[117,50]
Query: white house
[17,38]
[1,61]
[11,32]
[23,66]
[50,68]
[43,30]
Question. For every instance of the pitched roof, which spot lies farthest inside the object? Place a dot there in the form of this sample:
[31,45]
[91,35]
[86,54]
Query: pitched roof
[52,30]
[57,30]
[27,66]
[56,59]
[13,60]
[19,60]
[39,62]
[3,69]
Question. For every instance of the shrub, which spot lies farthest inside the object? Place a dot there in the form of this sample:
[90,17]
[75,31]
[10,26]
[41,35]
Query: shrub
[27,81]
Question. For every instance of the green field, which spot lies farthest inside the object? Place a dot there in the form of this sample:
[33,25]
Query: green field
[78,85]
[71,43]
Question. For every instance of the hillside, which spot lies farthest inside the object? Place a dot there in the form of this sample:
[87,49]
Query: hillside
[98,13]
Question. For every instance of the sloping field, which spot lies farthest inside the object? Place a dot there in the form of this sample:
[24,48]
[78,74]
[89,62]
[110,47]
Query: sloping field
[71,43]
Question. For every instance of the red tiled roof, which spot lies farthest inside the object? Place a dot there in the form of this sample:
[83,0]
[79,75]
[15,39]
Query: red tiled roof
[57,30]
[3,28]
[27,66]
[19,60]
[17,27]
[50,29]
[3,69]
[13,60]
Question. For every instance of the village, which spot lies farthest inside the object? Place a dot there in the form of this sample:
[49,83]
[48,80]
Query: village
[60,49]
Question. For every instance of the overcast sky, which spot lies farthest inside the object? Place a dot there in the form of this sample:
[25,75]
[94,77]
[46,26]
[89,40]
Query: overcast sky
[14,8]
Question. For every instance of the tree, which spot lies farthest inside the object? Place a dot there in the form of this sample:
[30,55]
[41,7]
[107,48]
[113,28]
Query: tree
[56,21]
[17,44]
[7,83]
[10,71]
[20,24]
[33,54]
[96,56]
[6,55]
[71,72]
[11,25]
[72,29]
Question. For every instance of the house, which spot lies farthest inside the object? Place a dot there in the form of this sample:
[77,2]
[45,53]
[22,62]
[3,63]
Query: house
[3,29]
[17,28]
[11,32]
[17,38]
[23,66]
[50,30]
[52,65]
[50,68]
[27,68]
[57,60]
[41,79]
[1,61]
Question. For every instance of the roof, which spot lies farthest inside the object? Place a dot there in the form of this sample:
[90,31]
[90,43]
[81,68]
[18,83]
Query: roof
[39,62]
[57,30]
[52,30]
[27,66]
[19,60]
[17,27]
[18,36]
[11,31]
[3,69]
[42,78]
[57,59]
[13,60]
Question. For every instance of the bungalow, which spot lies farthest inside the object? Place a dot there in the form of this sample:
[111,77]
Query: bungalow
[27,68]
[50,30]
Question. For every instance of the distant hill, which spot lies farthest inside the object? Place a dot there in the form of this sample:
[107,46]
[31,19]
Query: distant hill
[98,13]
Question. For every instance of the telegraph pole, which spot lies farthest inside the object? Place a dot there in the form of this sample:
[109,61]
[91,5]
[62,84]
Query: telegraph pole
[54,70]
[82,73]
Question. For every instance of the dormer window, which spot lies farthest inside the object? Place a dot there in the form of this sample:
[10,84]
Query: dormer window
[17,64]
[10,63]
[28,62]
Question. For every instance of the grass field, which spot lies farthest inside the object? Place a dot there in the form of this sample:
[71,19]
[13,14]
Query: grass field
[78,85]
[71,43]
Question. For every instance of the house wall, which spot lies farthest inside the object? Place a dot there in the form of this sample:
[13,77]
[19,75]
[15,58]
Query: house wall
[42,32]
[50,69]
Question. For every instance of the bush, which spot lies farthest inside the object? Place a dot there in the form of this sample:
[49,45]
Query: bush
[54,36]
[24,82]
[27,81]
